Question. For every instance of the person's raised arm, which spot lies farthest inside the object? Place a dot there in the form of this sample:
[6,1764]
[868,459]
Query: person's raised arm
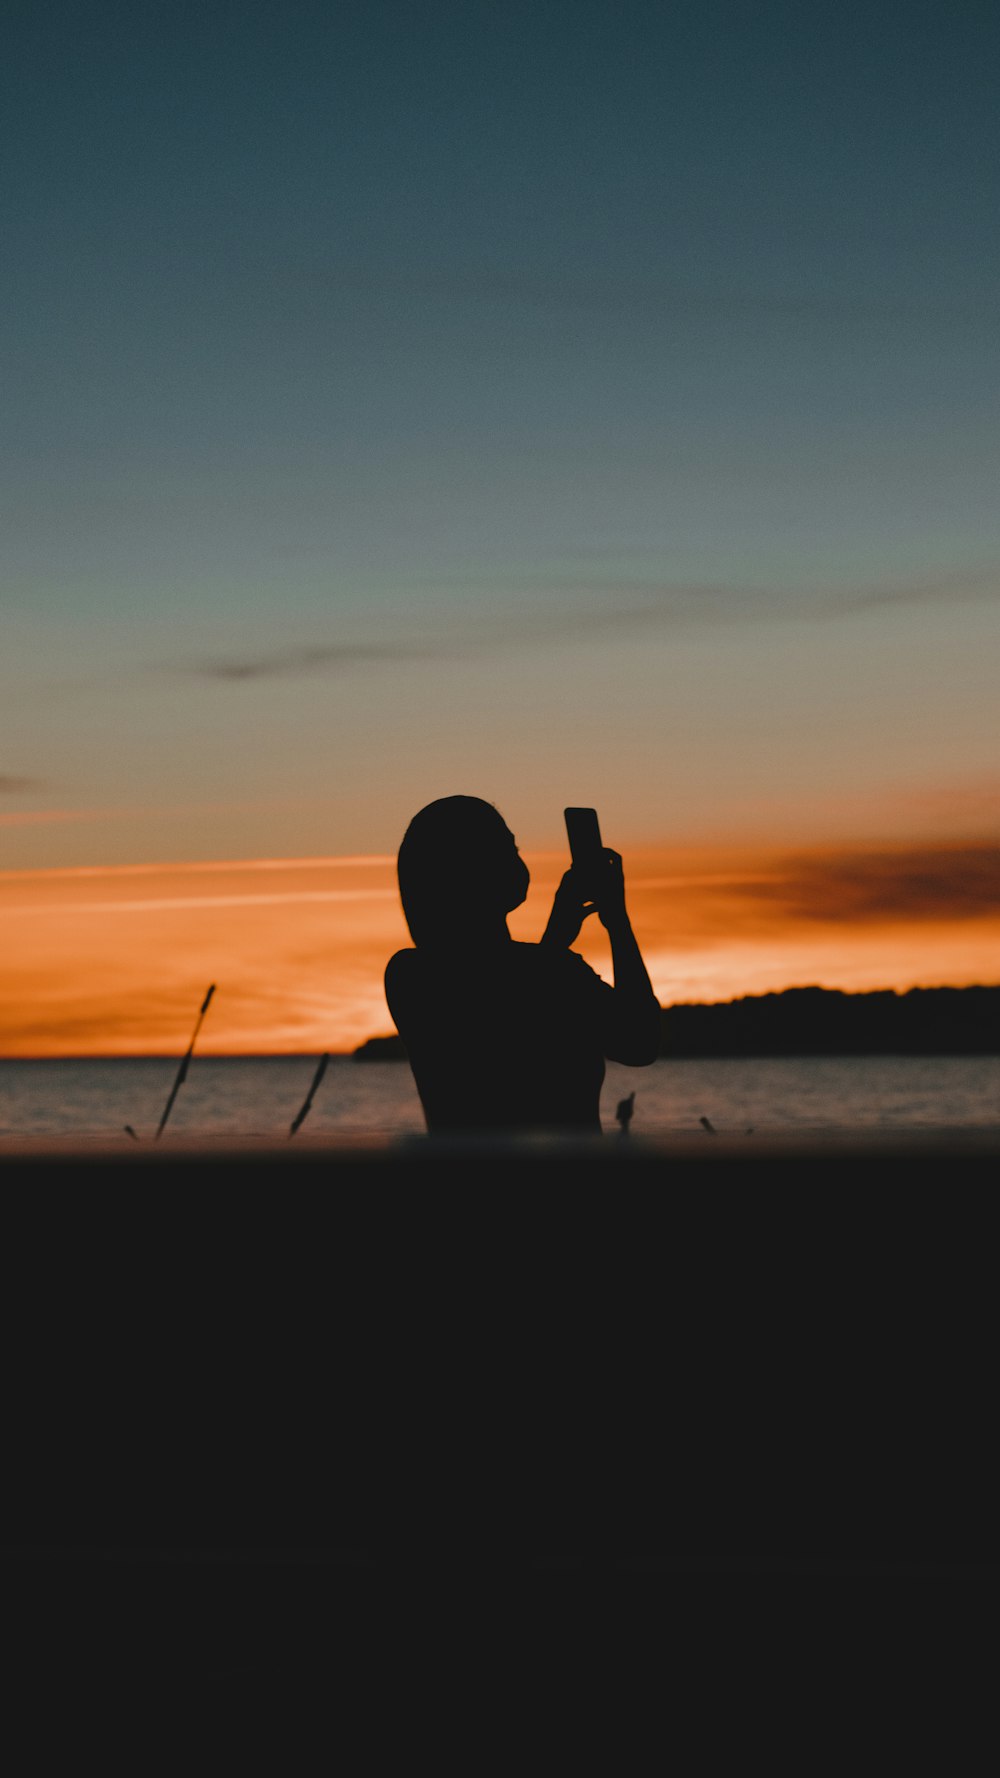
[570,908]
[635,1038]
[634,1034]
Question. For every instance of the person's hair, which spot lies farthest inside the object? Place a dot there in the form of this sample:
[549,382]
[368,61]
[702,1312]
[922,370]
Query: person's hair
[455,866]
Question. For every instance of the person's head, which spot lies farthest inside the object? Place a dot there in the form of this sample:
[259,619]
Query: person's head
[459,870]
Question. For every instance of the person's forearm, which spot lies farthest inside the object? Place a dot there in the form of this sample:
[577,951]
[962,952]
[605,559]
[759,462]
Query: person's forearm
[566,918]
[640,1009]
[631,977]
[555,930]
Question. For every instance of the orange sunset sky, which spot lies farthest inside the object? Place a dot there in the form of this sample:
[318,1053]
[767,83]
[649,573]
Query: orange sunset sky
[113,960]
[577,404]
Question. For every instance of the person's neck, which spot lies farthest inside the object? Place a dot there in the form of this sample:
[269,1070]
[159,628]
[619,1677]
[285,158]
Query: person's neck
[497,936]
[488,935]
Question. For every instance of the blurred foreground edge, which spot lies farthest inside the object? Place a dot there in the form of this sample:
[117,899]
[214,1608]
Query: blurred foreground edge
[707,1352]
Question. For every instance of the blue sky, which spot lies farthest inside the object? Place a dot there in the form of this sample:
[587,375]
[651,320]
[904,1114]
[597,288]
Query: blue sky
[586,402]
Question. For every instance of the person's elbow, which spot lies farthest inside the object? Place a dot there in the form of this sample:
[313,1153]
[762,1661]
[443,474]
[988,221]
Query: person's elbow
[636,1042]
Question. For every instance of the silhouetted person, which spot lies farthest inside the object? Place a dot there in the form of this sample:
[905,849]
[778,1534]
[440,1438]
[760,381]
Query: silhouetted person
[502,1035]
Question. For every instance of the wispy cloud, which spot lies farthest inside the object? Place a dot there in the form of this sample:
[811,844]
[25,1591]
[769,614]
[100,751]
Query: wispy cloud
[920,883]
[51,817]
[532,608]
[184,903]
[518,614]
[963,585]
[152,813]
[12,784]
[686,604]
[824,896]
[204,867]
[318,657]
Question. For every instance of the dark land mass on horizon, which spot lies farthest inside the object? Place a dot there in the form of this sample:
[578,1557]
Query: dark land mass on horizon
[814,1022]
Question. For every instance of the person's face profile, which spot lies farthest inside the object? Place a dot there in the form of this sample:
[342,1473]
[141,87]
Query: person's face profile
[520,876]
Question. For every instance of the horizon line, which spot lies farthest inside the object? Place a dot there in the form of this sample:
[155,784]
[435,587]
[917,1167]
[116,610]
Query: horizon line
[348,1054]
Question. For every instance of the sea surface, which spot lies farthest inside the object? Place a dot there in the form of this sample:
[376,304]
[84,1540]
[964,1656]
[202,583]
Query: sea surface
[260,1096]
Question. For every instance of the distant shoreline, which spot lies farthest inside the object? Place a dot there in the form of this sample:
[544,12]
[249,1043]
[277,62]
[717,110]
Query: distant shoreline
[795,1023]
[813,1022]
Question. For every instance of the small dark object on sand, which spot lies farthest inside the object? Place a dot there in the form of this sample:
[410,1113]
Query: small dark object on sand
[130,1132]
[182,1070]
[707,1126]
[317,1077]
[623,1112]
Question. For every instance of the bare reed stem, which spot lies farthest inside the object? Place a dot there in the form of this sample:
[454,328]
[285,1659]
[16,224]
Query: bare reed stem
[317,1077]
[182,1070]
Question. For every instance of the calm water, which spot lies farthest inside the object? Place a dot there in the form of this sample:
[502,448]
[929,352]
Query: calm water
[261,1096]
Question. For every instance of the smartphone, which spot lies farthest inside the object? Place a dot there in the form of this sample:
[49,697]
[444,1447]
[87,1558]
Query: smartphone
[585,845]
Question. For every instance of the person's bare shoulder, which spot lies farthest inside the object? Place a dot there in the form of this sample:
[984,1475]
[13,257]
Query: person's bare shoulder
[401,961]
[400,974]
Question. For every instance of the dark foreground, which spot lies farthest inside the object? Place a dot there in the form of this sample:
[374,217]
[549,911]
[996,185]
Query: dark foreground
[702,1356]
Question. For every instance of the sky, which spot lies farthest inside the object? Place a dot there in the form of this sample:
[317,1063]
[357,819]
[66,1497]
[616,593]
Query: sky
[564,403]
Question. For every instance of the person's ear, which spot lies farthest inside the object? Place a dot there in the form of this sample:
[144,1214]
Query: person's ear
[520,880]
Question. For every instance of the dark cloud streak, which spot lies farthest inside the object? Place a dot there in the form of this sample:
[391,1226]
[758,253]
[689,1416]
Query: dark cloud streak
[315,658]
[968,586]
[683,604]
[874,886]
[686,604]
[563,611]
[12,784]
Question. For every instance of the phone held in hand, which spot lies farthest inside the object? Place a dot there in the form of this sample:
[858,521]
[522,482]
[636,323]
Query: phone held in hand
[585,845]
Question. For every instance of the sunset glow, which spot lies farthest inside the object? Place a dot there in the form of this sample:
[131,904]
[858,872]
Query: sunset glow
[114,961]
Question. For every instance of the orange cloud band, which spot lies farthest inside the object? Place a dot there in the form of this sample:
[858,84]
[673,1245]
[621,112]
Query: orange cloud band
[115,961]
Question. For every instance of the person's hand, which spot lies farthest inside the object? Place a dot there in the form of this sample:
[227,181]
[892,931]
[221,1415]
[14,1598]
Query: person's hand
[609,891]
[569,910]
[572,905]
